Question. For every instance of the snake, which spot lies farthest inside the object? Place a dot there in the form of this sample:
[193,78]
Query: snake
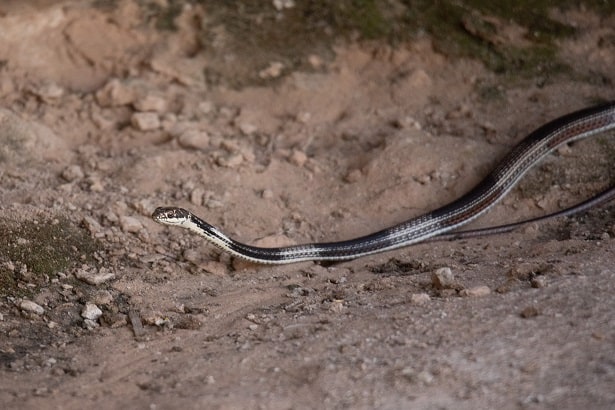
[438,224]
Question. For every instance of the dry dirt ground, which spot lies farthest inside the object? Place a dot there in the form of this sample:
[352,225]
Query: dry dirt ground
[104,117]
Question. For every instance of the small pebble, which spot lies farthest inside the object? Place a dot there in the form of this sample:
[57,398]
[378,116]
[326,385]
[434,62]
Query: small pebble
[192,256]
[267,194]
[90,324]
[215,268]
[145,121]
[476,291]
[29,306]
[72,173]
[94,278]
[230,161]
[130,224]
[91,225]
[419,298]
[425,377]
[247,128]
[114,93]
[353,176]
[150,102]
[91,311]
[205,107]
[193,139]
[50,92]
[298,158]
[273,70]
[539,282]
[529,312]
[337,306]
[283,4]
[443,278]
[103,297]
[315,61]
[419,79]
[196,196]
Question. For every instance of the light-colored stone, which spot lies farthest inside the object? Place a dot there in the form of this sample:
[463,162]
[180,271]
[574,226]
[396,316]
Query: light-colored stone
[443,278]
[353,176]
[152,103]
[72,173]
[193,139]
[29,306]
[196,196]
[91,311]
[130,224]
[476,291]
[215,268]
[273,70]
[49,92]
[94,278]
[230,161]
[115,93]
[419,298]
[298,158]
[145,121]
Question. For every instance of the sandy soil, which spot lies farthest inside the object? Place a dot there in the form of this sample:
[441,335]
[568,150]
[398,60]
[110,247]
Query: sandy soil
[104,118]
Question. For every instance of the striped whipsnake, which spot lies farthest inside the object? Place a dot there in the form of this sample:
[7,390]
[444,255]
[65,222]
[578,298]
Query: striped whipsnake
[437,224]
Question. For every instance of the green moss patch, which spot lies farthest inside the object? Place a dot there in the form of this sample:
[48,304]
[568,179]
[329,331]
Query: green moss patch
[32,251]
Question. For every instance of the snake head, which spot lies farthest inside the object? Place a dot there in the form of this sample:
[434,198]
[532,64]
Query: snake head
[171,215]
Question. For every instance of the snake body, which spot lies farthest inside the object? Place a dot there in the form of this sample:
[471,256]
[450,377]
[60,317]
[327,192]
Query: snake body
[432,225]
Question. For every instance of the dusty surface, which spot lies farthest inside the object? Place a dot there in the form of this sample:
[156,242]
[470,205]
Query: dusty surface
[104,118]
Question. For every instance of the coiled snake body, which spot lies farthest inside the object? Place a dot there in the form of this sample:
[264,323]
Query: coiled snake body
[437,224]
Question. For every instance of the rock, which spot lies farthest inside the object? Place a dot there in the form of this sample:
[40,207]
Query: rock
[539,282]
[196,196]
[298,158]
[192,256]
[145,121]
[91,311]
[247,128]
[353,176]
[283,4]
[273,70]
[49,93]
[419,79]
[315,61]
[476,291]
[22,140]
[91,225]
[230,161]
[443,278]
[419,298]
[94,278]
[205,107]
[151,102]
[215,268]
[193,139]
[337,306]
[529,312]
[72,173]
[29,306]
[115,93]
[103,297]
[90,324]
[130,224]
